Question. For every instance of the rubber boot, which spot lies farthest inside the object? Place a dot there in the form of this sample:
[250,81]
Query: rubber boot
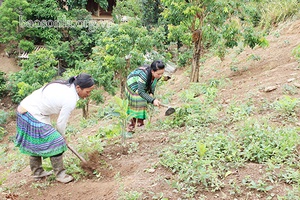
[59,171]
[38,172]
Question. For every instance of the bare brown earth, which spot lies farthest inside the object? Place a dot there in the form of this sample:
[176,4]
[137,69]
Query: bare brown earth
[122,170]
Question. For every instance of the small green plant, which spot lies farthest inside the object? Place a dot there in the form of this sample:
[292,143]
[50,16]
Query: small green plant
[234,68]
[90,144]
[2,133]
[237,111]
[290,176]
[260,185]
[292,194]
[120,111]
[40,185]
[3,117]
[3,177]
[187,96]
[133,147]
[254,57]
[289,89]
[131,195]
[296,53]
[3,89]
[235,189]
[286,106]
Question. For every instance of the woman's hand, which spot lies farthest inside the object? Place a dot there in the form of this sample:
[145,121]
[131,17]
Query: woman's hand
[156,102]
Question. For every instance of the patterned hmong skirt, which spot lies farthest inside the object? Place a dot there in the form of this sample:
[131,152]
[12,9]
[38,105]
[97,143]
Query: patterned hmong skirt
[137,106]
[35,138]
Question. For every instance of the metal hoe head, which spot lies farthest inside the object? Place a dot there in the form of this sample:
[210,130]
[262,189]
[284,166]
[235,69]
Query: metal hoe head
[169,111]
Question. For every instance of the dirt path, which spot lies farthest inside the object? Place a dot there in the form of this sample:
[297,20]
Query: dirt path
[7,65]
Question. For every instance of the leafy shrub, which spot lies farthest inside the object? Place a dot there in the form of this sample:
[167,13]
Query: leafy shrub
[296,53]
[262,143]
[184,58]
[90,144]
[3,88]
[26,45]
[37,70]
[200,156]
[3,117]
[286,106]
[275,11]
[2,133]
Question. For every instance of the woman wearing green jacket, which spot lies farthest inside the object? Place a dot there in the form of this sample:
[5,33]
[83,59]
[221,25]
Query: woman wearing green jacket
[140,87]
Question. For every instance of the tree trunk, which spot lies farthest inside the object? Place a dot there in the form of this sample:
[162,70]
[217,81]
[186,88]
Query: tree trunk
[197,40]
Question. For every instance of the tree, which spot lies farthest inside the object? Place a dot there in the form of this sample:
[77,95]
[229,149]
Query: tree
[10,11]
[205,24]
[129,8]
[151,10]
[121,48]
[38,69]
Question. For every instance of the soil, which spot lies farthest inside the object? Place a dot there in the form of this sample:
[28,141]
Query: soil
[128,169]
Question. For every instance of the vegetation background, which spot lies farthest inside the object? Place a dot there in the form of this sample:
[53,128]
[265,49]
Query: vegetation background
[235,133]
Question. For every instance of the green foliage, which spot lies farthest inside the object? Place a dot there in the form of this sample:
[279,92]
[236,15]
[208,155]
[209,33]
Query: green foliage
[252,38]
[10,11]
[209,25]
[3,132]
[202,156]
[121,107]
[131,195]
[101,75]
[37,70]
[259,185]
[90,144]
[237,111]
[296,53]
[289,89]
[130,8]
[290,176]
[3,88]
[276,11]
[261,142]
[42,35]
[184,58]
[3,117]
[286,106]
[42,10]
[151,10]
[120,61]
[102,3]
[26,46]
[77,41]
[72,4]
[194,113]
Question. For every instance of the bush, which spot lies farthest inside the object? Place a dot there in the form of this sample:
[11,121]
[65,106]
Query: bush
[39,69]
[26,45]
[3,89]
[2,133]
[296,53]
[3,117]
